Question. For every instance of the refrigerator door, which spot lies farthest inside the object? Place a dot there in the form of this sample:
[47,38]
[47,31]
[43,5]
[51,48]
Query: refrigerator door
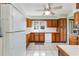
[17,21]
[17,44]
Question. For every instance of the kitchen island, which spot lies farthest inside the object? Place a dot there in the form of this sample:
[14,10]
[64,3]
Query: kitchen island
[68,50]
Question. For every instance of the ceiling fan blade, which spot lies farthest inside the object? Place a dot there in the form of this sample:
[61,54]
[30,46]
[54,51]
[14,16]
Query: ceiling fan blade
[40,10]
[52,13]
[57,7]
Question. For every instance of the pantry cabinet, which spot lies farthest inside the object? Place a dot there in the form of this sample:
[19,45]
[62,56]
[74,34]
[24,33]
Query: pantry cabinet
[62,29]
[76,18]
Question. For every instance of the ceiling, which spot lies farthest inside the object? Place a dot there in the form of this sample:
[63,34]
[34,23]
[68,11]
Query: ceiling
[30,9]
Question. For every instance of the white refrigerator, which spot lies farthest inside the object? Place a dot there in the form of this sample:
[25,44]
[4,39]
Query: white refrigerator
[16,36]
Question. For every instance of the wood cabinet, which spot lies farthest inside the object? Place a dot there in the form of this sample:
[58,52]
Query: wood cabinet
[51,23]
[42,37]
[76,18]
[74,40]
[54,23]
[29,22]
[37,37]
[27,40]
[62,29]
[77,5]
[32,37]
[55,37]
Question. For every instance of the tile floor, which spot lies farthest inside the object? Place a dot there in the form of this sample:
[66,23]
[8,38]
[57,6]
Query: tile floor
[46,49]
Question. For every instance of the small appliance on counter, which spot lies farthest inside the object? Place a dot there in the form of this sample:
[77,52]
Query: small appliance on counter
[76,30]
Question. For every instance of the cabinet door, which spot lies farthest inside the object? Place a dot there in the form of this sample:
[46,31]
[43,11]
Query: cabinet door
[54,23]
[29,22]
[73,40]
[27,39]
[32,37]
[53,37]
[61,23]
[76,18]
[57,37]
[62,35]
[42,37]
[37,37]
[62,29]
[49,24]
[77,5]
[78,41]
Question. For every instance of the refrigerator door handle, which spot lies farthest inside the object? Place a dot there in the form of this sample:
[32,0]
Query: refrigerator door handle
[16,31]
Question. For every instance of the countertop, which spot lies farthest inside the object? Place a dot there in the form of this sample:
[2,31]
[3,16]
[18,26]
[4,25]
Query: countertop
[71,50]
[46,32]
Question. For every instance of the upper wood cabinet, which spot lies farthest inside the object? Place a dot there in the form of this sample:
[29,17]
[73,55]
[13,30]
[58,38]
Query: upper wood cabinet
[51,23]
[77,5]
[62,22]
[29,22]
[76,18]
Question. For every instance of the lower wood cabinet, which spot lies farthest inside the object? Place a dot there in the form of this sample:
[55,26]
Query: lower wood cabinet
[55,37]
[32,36]
[42,37]
[74,40]
[37,37]
[27,40]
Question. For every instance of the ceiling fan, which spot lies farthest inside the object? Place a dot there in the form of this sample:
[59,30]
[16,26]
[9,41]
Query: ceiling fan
[48,9]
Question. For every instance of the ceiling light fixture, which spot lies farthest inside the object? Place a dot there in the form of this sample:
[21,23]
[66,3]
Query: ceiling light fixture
[47,12]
